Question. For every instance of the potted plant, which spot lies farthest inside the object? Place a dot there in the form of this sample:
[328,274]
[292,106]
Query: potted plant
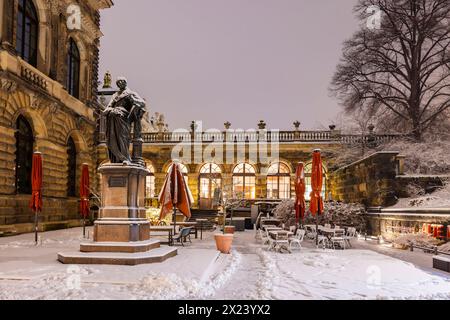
[224,240]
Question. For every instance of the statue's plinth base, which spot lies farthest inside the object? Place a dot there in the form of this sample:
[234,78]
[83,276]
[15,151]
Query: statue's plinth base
[122,233]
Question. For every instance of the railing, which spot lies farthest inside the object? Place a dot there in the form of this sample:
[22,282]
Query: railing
[268,136]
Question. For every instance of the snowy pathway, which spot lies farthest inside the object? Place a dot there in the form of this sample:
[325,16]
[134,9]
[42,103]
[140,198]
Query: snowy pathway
[199,272]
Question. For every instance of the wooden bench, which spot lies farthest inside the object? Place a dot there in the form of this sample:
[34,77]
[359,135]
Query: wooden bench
[441,263]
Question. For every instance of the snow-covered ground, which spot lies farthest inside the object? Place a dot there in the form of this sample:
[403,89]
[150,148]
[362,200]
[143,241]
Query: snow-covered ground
[199,272]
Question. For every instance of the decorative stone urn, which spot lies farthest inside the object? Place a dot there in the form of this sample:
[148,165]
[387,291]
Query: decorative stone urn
[262,125]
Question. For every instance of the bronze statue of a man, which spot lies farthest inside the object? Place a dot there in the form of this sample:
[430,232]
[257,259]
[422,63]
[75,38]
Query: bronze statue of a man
[125,110]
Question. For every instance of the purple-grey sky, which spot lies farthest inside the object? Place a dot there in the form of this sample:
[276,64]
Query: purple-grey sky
[235,60]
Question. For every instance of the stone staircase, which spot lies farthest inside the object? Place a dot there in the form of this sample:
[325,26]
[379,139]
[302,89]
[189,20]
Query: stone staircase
[210,215]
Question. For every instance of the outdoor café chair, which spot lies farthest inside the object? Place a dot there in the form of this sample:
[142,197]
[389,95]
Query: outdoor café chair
[297,239]
[270,242]
[183,236]
[339,239]
[263,236]
[323,241]
[282,242]
[310,233]
[351,234]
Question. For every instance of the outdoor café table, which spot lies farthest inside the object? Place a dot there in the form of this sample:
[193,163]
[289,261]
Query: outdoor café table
[167,229]
[271,221]
[329,233]
[201,226]
[274,233]
[192,225]
[272,228]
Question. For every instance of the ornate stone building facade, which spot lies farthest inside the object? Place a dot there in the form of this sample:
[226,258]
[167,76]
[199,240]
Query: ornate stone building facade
[49,52]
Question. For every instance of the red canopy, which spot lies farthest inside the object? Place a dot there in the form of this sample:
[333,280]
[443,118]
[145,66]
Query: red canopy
[36,183]
[316,184]
[84,191]
[175,193]
[300,188]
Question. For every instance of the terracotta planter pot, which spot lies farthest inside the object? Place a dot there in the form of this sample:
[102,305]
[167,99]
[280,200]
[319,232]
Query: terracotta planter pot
[223,242]
[230,229]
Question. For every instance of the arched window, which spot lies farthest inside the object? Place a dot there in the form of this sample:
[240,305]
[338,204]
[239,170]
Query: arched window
[308,170]
[210,180]
[150,187]
[24,155]
[73,69]
[244,181]
[71,168]
[184,171]
[27,32]
[279,181]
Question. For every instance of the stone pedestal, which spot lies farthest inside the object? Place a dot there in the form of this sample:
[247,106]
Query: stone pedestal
[122,233]
[122,213]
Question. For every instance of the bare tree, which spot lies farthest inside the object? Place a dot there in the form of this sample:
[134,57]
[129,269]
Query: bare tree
[403,67]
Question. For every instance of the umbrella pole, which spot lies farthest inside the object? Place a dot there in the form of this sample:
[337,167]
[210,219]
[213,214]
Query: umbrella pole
[317,223]
[35,227]
[84,227]
[174,221]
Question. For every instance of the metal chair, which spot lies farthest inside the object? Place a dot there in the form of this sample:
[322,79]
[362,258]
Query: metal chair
[297,239]
[351,234]
[338,238]
[183,236]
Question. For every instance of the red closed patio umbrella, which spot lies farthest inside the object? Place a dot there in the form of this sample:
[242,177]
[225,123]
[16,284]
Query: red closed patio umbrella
[175,194]
[36,187]
[300,188]
[84,195]
[316,204]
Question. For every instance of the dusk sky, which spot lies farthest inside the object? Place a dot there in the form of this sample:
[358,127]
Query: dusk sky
[235,60]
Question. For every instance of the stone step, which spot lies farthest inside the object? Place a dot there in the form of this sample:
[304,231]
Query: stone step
[131,259]
[124,247]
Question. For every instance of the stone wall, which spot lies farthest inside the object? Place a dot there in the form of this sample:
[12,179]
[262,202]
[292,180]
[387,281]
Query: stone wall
[387,222]
[52,126]
[370,181]
[38,93]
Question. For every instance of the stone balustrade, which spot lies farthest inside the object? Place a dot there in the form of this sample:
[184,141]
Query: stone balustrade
[269,136]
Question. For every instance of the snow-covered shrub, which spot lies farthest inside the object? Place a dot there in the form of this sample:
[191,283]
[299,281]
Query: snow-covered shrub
[285,212]
[336,213]
[445,247]
[419,239]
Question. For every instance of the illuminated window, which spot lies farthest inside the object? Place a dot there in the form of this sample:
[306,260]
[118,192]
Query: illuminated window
[150,187]
[308,170]
[278,181]
[210,180]
[244,181]
[27,32]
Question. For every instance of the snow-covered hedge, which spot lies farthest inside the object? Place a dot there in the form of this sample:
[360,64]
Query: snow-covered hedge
[336,213]
[419,239]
